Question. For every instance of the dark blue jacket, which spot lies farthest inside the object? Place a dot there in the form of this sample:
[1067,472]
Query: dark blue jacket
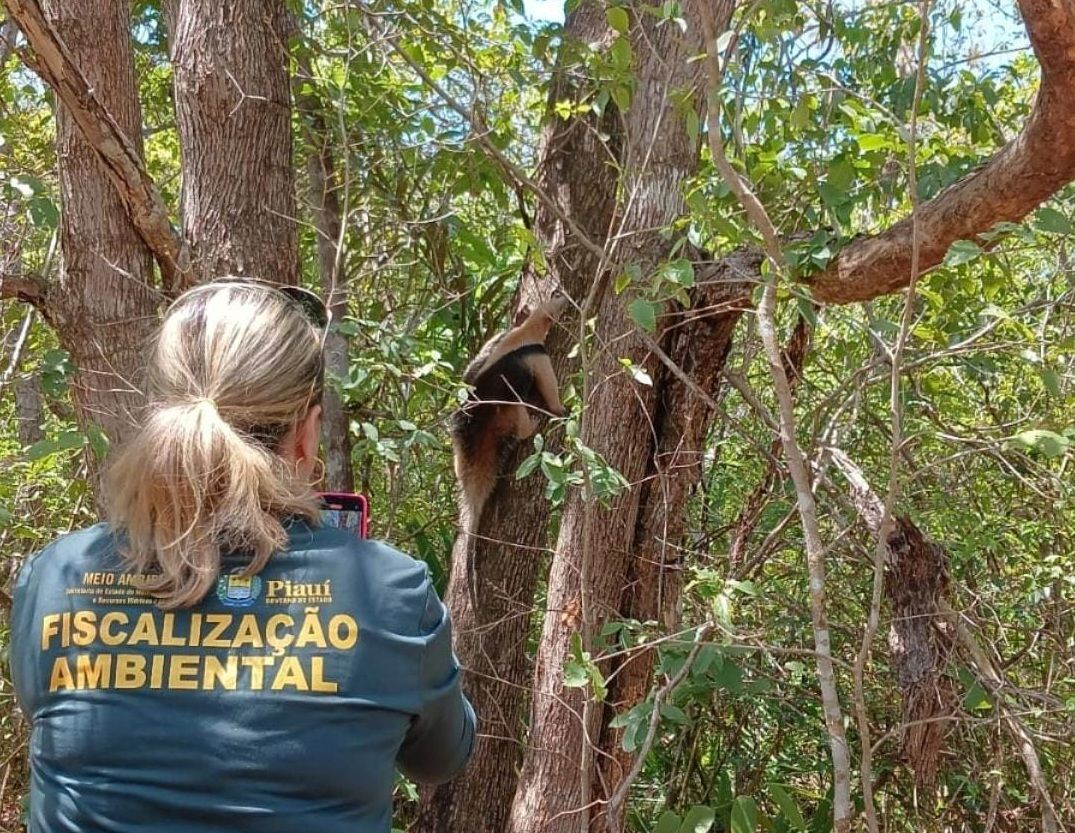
[282,702]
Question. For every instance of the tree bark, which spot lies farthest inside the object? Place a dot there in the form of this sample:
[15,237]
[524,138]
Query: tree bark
[29,409]
[596,543]
[102,309]
[577,169]
[233,112]
[698,341]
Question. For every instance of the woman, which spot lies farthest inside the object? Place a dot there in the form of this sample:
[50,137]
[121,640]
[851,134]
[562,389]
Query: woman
[211,659]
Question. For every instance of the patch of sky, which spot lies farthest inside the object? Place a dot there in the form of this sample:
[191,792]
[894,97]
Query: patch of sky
[550,11]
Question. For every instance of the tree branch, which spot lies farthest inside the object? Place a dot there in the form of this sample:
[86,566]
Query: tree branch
[1015,181]
[23,288]
[53,62]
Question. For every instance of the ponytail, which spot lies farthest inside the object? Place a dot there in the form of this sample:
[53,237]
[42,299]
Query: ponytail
[202,476]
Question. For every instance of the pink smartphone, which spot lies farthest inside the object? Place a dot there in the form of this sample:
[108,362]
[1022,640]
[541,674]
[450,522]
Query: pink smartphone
[346,510]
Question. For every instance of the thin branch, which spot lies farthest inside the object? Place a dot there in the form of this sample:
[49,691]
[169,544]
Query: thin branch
[615,803]
[16,351]
[815,549]
[53,62]
[880,550]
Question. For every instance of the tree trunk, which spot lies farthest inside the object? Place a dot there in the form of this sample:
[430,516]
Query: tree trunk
[233,112]
[595,548]
[102,309]
[328,225]
[577,169]
[29,409]
[698,342]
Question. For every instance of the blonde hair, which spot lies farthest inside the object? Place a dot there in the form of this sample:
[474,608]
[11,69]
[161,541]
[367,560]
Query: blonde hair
[234,367]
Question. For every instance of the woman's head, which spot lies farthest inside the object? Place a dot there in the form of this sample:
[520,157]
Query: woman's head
[229,439]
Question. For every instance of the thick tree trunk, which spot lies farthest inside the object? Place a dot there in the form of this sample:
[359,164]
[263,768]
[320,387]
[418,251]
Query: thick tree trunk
[233,111]
[102,308]
[577,169]
[698,341]
[86,111]
[596,543]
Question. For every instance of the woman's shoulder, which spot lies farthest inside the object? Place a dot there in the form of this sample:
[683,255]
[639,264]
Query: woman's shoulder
[382,579]
[91,546]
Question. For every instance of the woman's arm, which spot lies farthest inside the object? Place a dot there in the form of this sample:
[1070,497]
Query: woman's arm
[441,736]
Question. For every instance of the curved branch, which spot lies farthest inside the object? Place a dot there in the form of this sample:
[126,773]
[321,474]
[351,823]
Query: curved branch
[53,62]
[1016,180]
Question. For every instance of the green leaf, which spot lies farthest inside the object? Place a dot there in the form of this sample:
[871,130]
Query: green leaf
[98,441]
[698,820]
[644,314]
[807,311]
[707,655]
[787,806]
[621,94]
[729,676]
[744,815]
[575,674]
[618,19]
[675,714]
[872,141]
[43,212]
[841,175]
[1052,221]
[1051,379]
[800,116]
[962,251]
[64,442]
[1048,443]
[977,699]
[631,272]
[680,272]
[668,823]
[528,466]
[831,195]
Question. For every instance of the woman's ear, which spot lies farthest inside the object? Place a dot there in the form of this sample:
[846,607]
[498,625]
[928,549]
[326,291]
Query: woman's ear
[309,435]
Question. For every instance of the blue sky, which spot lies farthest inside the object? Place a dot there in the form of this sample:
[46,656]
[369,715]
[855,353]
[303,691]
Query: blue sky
[544,9]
